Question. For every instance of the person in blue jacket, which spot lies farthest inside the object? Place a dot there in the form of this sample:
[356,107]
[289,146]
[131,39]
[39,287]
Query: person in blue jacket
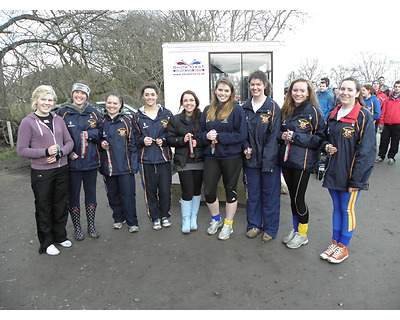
[301,135]
[261,172]
[183,135]
[151,122]
[82,120]
[326,99]
[223,132]
[119,163]
[371,102]
[351,147]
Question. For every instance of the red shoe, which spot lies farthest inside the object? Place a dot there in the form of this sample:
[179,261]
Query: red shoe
[329,251]
[339,255]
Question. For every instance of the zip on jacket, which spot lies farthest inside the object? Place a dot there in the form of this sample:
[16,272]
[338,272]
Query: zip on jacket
[35,137]
[263,128]
[156,128]
[308,131]
[121,157]
[78,121]
[232,133]
[354,137]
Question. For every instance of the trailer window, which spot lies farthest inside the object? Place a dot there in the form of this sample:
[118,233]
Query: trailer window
[238,67]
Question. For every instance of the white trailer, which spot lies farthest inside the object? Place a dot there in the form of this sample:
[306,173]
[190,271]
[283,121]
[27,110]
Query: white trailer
[197,65]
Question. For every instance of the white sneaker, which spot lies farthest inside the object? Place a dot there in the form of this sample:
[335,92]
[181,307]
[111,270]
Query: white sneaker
[165,222]
[288,237]
[297,241]
[157,224]
[66,244]
[226,232]
[52,250]
[214,226]
[133,229]
[117,225]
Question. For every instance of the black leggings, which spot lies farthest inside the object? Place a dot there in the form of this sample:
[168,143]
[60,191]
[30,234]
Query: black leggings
[297,181]
[191,182]
[229,169]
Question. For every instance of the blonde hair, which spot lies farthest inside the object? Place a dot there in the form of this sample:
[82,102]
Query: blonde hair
[227,107]
[289,104]
[40,92]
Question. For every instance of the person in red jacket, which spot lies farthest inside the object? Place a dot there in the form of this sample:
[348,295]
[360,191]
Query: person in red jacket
[390,122]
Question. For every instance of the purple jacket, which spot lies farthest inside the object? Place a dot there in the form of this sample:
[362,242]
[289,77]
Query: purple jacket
[34,137]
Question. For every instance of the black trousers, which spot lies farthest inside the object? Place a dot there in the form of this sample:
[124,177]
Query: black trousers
[230,171]
[191,182]
[297,182]
[157,180]
[390,134]
[50,189]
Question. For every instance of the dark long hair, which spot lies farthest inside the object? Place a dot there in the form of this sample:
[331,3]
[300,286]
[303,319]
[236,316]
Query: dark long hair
[359,99]
[197,101]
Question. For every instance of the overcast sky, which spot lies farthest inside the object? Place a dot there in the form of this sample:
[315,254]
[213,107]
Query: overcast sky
[337,31]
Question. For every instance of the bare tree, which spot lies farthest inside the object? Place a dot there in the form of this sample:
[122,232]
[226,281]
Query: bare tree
[370,66]
[30,39]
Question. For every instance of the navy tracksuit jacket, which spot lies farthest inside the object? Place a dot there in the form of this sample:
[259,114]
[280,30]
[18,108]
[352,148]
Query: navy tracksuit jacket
[77,121]
[354,137]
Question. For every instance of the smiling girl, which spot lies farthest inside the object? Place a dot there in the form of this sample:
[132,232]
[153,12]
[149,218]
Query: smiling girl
[151,122]
[300,137]
[261,172]
[223,132]
[44,138]
[118,162]
[350,145]
[183,134]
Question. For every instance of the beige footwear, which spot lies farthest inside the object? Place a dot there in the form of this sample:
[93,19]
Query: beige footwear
[266,237]
[253,232]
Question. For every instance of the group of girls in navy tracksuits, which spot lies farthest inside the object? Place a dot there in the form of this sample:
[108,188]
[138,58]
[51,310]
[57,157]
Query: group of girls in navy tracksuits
[259,137]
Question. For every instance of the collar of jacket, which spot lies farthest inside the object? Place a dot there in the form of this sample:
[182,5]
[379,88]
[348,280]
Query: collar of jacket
[351,116]
[248,104]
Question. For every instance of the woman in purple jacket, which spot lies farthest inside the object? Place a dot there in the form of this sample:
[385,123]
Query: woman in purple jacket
[44,138]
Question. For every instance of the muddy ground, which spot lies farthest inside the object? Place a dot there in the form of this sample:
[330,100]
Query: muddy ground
[154,270]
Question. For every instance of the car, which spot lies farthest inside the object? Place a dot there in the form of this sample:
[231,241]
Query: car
[101,108]
[127,109]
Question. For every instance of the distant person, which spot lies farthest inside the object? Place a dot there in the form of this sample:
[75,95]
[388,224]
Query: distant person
[325,98]
[261,172]
[44,138]
[384,88]
[376,84]
[371,101]
[183,134]
[223,132]
[119,162]
[350,145]
[82,120]
[389,121]
[151,122]
[300,137]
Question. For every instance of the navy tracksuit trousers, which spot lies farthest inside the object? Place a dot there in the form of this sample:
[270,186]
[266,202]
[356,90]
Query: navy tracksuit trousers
[157,180]
[121,194]
[263,199]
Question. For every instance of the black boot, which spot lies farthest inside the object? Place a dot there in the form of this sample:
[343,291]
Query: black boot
[90,215]
[75,213]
